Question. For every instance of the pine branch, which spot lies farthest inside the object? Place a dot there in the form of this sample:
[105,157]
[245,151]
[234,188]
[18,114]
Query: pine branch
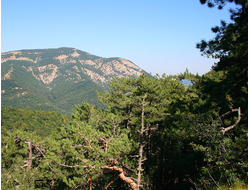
[224,130]
[89,141]
[122,176]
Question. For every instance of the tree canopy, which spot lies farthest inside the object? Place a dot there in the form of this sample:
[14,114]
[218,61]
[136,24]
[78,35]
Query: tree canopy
[156,133]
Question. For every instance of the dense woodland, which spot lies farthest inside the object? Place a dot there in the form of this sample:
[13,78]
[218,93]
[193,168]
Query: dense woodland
[156,133]
[41,122]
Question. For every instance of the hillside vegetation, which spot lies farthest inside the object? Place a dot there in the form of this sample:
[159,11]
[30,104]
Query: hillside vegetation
[155,133]
[41,122]
[58,79]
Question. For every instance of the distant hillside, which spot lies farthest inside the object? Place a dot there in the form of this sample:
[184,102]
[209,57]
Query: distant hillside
[58,79]
[42,122]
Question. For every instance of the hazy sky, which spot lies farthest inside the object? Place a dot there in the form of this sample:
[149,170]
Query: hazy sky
[157,35]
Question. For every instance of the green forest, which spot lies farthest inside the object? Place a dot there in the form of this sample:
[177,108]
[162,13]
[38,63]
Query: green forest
[155,131]
[42,122]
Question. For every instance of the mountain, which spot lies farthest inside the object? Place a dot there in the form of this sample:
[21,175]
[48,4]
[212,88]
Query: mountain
[58,79]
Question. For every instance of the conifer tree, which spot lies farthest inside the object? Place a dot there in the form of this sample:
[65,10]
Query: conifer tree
[92,153]
[225,91]
[166,102]
[23,165]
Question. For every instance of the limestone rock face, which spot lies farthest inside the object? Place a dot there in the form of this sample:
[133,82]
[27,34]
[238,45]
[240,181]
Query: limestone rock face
[70,63]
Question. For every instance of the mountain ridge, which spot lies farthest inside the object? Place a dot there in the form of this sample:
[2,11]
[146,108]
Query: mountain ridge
[57,78]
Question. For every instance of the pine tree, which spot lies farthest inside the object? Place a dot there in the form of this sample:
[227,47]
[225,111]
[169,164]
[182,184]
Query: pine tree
[93,152]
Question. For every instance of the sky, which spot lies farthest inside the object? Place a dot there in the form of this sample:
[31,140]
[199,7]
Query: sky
[159,36]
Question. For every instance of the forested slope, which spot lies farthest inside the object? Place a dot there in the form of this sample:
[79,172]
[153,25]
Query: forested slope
[41,122]
[156,133]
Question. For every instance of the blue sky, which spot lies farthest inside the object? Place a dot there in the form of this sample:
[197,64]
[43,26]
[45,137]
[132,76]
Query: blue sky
[159,36]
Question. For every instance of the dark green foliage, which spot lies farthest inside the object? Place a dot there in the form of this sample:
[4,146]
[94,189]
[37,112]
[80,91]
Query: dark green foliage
[214,111]
[231,46]
[15,154]
[226,160]
[183,141]
[79,154]
[91,141]
[177,136]
[41,122]
[223,89]
[166,135]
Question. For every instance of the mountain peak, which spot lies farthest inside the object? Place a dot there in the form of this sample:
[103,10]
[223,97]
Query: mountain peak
[56,73]
[48,62]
